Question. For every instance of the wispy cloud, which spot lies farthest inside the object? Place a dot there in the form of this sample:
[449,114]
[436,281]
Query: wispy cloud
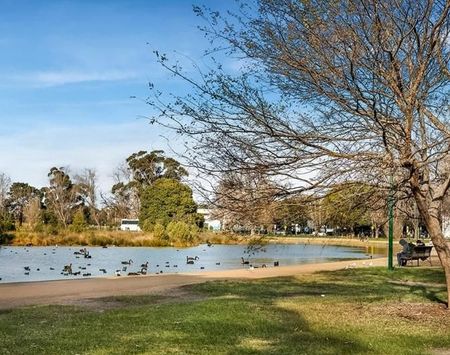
[58,78]
[100,146]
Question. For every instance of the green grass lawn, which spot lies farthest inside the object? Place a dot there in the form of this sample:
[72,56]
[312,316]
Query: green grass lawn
[360,311]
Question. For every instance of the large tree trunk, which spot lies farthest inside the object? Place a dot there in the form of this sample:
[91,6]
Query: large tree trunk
[430,215]
[442,248]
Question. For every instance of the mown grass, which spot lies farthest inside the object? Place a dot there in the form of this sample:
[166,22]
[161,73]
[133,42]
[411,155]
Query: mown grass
[360,311]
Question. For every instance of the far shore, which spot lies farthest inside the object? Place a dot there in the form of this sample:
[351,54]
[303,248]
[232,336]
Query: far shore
[92,238]
[334,240]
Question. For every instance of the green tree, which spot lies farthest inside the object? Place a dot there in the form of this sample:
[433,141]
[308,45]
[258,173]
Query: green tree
[19,196]
[140,171]
[79,221]
[167,200]
[147,167]
[347,207]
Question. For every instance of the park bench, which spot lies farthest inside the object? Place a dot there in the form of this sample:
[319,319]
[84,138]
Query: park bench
[419,252]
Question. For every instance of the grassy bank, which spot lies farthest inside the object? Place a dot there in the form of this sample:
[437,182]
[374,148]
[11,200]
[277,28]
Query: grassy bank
[360,311]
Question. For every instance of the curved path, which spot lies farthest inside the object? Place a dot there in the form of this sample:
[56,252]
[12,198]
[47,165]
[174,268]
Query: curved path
[67,291]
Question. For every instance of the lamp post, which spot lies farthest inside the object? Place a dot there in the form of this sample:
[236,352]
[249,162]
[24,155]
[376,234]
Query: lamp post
[391,224]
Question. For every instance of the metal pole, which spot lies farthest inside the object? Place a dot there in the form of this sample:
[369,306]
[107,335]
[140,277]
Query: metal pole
[391,225]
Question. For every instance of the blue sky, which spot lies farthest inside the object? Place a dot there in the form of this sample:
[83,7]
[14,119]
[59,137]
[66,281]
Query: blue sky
[68,69]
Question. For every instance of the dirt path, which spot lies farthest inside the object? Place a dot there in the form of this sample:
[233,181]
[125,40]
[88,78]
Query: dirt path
[67,291]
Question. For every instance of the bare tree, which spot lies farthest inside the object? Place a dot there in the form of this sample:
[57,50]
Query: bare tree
[333,92]
[244,201]
[33,212]
[61,197]
[86,182]
[125,199]
[5,184]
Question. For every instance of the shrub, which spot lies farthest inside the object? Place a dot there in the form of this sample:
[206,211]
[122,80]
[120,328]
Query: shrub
[159,234]
[148,226]
[181,233]
[79,222]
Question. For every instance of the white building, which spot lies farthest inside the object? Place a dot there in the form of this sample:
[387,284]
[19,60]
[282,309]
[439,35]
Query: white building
[130,225]
[210,223]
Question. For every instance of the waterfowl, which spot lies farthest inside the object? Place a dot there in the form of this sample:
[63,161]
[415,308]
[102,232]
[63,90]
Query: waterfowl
[117,273]
[102,270]
[124,269]
[145,265]
[27,268]
[133,274]
[68,268]
[244,262]
[87,274]
[129,262]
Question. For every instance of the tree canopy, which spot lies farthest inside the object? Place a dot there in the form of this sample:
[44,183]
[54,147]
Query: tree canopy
[141,170]
[167,200]
[331,92]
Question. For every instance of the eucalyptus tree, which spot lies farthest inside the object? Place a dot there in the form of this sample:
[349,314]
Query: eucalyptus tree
[5,184]
[86,182]
[20,195]
[61,197]
[140,171]
[330,92]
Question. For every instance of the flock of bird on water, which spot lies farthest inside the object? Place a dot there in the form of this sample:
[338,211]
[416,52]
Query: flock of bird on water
[68,270]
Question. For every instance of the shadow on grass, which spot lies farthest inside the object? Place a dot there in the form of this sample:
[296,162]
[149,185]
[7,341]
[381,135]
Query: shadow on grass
[225,326]
[237,318]
[357,285]
[429,294]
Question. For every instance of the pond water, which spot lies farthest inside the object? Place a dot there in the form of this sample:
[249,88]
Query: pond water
[19,264]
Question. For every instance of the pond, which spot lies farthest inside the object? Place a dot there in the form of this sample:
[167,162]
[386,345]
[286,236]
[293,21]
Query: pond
[19,264]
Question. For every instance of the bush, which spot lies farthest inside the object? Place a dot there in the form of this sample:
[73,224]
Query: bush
[148,226]
[181,233]
[159,234]
[79,222]
[6,223]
